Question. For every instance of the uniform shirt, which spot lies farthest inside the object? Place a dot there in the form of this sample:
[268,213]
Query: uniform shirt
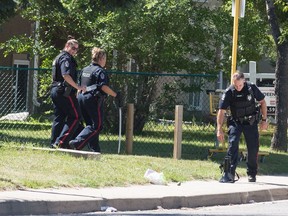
[67,65]
[227,97]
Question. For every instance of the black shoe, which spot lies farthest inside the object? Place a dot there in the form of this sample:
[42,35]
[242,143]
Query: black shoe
[55,146]
[72,144]
[251,178]
[94,148]
[227,178]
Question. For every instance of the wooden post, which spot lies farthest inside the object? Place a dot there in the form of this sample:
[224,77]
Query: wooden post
[178,132]
[129,128]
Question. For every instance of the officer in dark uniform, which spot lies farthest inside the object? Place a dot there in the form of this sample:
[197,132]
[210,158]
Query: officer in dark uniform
[63,94]
[95,79]
[240,97]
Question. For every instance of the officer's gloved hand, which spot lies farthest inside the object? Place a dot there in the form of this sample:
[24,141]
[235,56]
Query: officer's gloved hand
[118,99]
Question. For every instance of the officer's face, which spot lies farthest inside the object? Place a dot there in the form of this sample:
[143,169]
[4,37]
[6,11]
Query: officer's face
[102,61]
[72,49]
[238,84]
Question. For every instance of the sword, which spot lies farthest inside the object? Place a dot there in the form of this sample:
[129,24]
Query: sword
[120,129]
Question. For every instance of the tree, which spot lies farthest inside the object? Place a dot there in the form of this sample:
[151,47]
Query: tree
[163,36]
[254,40]
[160,36]
[271,23]
[277,17]
[7,9]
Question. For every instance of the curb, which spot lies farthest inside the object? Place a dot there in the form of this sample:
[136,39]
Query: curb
[94,204]
[75,153]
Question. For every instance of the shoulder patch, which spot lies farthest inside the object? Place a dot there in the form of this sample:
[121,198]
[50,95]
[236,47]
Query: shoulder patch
[66,64]
[102,76]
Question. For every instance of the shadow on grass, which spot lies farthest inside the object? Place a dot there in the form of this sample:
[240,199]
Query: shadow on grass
[195,144]
[25,126]
[151,143]
[18,138]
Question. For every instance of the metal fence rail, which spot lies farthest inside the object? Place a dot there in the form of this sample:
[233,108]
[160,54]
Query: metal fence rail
[26,111]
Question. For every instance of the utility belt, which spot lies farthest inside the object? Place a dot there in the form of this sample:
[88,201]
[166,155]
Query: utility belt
[63,88]
[247,120]
[92,89]
[56,83]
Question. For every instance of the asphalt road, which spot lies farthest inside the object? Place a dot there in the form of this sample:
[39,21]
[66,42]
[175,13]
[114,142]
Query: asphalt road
[275,208]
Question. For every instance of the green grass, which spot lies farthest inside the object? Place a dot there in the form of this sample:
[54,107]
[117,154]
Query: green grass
[22,167]
[27,168]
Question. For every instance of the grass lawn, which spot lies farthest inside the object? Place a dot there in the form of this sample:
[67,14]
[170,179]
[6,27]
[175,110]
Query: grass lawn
[27,168]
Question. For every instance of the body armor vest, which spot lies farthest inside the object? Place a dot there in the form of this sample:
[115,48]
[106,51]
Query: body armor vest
[243,105]
[56,70]
[86,77]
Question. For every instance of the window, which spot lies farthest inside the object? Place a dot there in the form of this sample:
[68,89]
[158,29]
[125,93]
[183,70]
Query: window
[20,85]
[195,96]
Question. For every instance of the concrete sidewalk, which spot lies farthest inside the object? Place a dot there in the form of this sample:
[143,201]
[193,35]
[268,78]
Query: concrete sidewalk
[145,197]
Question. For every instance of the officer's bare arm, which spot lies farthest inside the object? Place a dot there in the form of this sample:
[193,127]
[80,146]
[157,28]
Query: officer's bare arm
[71,82]
[108,90]
[220,118]
[263,108]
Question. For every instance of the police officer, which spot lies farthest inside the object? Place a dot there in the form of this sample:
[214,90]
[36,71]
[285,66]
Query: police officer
[63,89]
[240,97]
[95,79]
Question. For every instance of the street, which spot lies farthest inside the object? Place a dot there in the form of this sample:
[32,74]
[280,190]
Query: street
[275,208]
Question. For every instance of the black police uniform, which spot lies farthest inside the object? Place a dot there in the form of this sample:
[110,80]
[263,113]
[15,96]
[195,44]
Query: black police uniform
[66,108]
[244,118]
[91,106]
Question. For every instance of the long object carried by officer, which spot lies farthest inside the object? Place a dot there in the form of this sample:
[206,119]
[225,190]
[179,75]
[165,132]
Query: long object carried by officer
[91,87]
[120,129]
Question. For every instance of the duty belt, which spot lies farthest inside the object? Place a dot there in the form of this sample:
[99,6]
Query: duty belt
[90,90]
[91,87]
[247,119]
[56,83]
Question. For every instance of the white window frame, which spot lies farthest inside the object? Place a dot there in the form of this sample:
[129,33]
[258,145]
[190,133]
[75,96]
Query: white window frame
[18,62]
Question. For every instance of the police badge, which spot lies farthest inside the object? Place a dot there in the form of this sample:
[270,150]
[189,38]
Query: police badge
[249,97]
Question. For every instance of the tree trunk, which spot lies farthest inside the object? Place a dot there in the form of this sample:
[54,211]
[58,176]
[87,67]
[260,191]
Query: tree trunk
[279,141]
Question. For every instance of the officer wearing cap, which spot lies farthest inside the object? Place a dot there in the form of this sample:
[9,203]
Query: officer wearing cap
[96,81]
[241,97]
[63,95]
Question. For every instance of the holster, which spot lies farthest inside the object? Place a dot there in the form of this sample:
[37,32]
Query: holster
[247,120]
[67,91]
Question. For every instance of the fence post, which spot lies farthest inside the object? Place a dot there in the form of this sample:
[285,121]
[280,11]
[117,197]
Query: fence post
[129,128]
[178,132]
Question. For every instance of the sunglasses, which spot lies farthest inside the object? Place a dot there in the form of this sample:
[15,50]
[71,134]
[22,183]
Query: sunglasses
[74,48]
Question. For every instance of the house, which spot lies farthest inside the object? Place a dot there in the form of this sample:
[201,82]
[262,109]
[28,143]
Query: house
[18,86]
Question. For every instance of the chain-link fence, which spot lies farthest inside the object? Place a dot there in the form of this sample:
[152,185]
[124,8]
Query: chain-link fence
[26,111]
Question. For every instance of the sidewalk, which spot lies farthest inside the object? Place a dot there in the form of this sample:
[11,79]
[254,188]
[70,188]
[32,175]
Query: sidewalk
[145,197]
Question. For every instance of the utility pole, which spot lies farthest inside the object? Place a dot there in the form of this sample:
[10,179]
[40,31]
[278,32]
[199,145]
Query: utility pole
[235,37]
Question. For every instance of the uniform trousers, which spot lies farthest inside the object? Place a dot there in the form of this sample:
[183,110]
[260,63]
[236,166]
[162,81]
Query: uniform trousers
[67,117]
[251,135]
[92,112]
